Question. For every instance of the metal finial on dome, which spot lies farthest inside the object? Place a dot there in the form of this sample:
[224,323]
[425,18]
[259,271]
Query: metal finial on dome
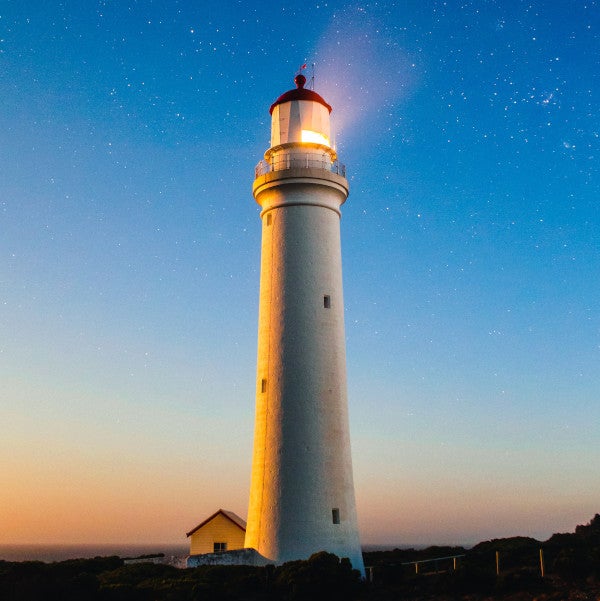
[299,80]
[299,93]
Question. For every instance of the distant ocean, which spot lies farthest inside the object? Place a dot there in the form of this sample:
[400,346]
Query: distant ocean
[371,548]
[50,553]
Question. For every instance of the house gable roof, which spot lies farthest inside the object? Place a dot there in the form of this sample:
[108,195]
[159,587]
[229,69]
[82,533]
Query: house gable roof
[236,519]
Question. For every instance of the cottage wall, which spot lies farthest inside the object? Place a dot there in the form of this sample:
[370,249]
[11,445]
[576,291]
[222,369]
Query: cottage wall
[219,530]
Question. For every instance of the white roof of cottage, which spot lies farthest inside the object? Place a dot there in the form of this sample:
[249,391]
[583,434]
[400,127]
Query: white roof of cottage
[236,519]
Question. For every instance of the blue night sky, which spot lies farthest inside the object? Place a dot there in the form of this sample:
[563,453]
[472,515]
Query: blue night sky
[130,243]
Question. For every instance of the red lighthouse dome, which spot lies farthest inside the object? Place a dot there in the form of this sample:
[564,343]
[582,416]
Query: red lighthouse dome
[300,93]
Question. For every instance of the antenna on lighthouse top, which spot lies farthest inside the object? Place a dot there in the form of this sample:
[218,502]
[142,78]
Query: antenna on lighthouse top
[311,84]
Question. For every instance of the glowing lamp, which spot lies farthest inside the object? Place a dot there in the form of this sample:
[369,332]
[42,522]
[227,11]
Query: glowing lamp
[315,137]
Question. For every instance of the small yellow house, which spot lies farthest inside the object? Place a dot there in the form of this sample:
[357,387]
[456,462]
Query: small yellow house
[222,531]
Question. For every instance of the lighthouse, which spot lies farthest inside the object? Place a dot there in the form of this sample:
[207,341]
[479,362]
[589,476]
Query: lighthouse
[302,491]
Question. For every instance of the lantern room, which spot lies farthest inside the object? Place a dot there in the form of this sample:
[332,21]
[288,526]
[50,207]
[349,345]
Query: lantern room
[300,116]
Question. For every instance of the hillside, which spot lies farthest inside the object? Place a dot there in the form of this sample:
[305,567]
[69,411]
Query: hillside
[502,569]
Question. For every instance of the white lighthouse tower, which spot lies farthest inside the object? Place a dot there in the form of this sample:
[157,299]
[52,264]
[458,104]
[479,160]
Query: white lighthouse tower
[302,491]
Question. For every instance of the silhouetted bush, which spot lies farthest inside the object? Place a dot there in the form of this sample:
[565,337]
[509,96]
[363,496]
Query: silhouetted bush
[473,578]
[322,576]
[229,582]
[524,579]
[65,581]
[134,574]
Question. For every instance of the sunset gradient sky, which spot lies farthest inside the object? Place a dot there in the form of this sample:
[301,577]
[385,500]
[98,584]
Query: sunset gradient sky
[129,258]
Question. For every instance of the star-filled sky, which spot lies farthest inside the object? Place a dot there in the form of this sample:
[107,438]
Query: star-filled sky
[130,242]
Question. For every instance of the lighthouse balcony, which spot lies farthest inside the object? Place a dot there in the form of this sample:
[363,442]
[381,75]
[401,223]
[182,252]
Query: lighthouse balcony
[308,160]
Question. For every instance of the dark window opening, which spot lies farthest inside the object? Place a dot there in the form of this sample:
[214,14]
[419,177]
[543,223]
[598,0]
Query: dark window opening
[219,547]
[327,301]
[268,218]
[263,385]
[335,514]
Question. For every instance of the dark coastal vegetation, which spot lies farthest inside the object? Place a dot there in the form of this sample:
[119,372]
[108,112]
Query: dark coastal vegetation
[511,569]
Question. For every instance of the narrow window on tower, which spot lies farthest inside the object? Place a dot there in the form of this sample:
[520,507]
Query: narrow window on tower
[268,218]
[327,301]
[263,385]
[335,514]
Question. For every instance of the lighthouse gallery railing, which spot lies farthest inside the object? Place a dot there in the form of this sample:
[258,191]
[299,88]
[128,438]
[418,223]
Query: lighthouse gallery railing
[299,161]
